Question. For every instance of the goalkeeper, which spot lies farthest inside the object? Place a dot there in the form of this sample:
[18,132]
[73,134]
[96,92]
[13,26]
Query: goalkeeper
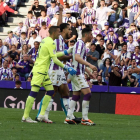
[40,73]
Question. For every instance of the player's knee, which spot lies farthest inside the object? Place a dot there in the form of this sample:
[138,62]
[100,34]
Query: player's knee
[76,97]
[50,93]
[87,97]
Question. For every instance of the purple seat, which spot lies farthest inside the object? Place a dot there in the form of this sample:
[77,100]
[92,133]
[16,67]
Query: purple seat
[22,79]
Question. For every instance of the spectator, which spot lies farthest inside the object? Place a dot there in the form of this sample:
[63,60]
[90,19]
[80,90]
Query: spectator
[11,62]
[3,49]
[123,5]
[68,17]
[18,30]
[93,55]
[34,51]
[3,8]
[31,30]
[88,14]
[33,39]
[23,50]
[31,19]
[134,6]
[44,31]
[110,53]
[65,8]
[5,72]
[95,30]
[13,52]
[123,55]
[112,37]
[131,44]
[43,18]
[115,74]
[24,66]
[29,79]
[52,9]
[10,40]
[36,8]
[54,21]
[12,4]
[99,81]
[106,29]
[17,77]
[18,85]
[22,40]
[115,19]
[106,69]
[1,60]
[120,43]
[94,74]
[102,14]
[136,55]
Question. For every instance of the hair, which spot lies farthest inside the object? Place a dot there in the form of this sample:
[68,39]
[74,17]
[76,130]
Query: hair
[17,75]
[43,23]
[18,82]
[13,45]
[99,75]
[63,26]
[109,61]
[13,68]
[68,21]
[52,29]
[99,35]
[36,42]
[30,12]
[85,31]
[89,1]
[93,44]
[124,44]
[110,43]
[23,47]
[12,56]
[137,47]
[131,36]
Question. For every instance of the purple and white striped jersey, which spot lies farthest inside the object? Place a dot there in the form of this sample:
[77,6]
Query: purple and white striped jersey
[88,16]
[60,46]
[135,7]
[22,41]
[66,19]
[136,57]
[46,19]
[75,7]
[113,38]
[51,11]
[28,21]
[96,32]
[19,30]
[79,48]
[11,41]
[131,46]
[5,73]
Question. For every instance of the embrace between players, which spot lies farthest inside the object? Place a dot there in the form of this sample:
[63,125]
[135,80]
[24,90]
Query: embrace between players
[48,69]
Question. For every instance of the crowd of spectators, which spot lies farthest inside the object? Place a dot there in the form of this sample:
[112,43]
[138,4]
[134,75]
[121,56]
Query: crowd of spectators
[114,49]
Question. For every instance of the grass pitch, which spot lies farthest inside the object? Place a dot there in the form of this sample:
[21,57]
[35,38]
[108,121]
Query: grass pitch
[108,127]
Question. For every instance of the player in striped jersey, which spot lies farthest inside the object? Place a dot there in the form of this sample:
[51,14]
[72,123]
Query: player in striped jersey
[79,84]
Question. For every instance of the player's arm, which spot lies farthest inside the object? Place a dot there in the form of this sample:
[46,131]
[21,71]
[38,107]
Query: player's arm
[81,61]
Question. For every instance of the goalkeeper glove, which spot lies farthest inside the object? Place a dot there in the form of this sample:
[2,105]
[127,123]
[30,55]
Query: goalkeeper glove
[71,70]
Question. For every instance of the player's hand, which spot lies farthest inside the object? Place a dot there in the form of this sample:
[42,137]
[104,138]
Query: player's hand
[93,67]
[71,70]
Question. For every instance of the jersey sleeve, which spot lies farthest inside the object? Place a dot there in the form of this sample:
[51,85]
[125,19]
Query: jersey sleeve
[78,48]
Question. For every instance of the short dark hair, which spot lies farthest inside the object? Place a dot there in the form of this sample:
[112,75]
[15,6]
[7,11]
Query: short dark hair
[30,12]
[131,36]
[17,75]
[43,23]
[124,44]
[12,56]
[63,26]
[93,44]
[85,31]
[99,35]
[13,68]
[137,47]
[110,43]
[52,29]
[18,82]
[36,42]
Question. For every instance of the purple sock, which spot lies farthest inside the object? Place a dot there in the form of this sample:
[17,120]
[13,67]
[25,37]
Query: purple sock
[76,97]
[50,93]
[87,97]
[33,94]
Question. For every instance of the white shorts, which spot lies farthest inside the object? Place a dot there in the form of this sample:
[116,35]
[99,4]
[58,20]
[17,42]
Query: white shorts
[78,82]
[57,77]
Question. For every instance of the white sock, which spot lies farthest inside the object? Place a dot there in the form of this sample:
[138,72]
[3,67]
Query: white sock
[85,108]
[66,103]
[48,109]
[71,109]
